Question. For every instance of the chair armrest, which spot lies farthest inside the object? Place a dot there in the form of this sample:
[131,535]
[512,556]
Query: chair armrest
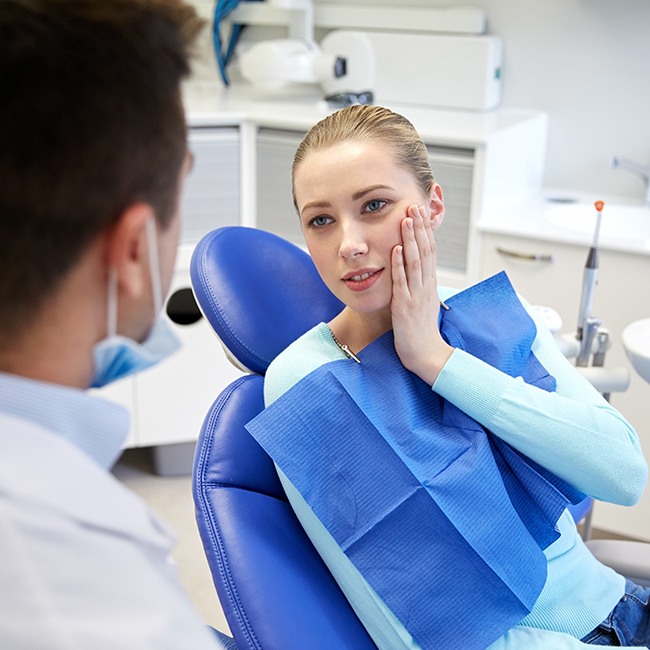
[632,559]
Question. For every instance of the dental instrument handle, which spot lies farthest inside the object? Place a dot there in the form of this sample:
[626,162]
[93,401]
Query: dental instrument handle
[590,276]
[589,282]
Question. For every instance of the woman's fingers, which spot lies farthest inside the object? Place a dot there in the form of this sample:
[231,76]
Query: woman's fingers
[400,283]
[426,243]
[419,247]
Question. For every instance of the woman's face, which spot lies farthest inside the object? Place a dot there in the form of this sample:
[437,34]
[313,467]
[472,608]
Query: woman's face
[352,199]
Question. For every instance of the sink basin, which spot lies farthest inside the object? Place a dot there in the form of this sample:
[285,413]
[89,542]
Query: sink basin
[636,342]
[617,221]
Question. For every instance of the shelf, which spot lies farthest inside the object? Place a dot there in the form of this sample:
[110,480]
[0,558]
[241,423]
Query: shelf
[456,20]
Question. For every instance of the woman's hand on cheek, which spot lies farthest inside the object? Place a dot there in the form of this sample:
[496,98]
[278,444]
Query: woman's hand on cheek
[415,303]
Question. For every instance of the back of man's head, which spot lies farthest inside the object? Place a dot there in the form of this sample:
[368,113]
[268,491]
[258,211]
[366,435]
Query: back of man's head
[91,121]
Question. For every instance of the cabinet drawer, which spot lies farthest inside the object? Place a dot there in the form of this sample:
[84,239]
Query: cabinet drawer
[211,197]
[543,273]
[275,210]
[453,170]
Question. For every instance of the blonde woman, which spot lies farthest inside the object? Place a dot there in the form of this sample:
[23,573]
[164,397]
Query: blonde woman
[369,210]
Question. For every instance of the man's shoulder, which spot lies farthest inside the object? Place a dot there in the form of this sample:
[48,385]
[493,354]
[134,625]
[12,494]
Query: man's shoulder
[44,472]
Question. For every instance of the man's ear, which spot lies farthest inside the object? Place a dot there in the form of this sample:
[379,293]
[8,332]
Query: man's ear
[437,206]
[127,249]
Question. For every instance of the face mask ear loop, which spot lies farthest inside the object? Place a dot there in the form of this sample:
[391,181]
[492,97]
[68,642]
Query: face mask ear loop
[111,308]
[154,266]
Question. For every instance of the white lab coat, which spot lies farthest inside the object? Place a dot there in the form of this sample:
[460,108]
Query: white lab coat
[84,563]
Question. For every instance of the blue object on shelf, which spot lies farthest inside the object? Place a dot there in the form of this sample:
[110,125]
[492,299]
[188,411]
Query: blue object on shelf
[224,54]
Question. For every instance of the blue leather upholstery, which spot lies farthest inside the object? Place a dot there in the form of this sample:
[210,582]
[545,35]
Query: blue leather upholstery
[259,293]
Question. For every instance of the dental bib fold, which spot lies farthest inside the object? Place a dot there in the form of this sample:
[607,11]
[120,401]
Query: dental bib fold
[429,506]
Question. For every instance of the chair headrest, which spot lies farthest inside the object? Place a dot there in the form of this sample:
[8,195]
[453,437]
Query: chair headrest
[259,293]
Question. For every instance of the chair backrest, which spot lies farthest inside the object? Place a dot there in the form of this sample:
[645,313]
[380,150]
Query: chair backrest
[259,293]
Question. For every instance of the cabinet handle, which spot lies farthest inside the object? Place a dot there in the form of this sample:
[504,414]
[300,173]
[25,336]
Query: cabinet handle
[529,257]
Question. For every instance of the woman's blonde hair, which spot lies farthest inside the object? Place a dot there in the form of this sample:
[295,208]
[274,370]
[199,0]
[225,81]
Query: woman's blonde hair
[369,124]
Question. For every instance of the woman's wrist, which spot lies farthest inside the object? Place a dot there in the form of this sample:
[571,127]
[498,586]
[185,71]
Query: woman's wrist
[429,366]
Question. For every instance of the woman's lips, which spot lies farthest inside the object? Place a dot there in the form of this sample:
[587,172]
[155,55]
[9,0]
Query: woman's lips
[361,280]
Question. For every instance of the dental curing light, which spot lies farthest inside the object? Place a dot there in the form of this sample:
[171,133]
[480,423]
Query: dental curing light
[586,324]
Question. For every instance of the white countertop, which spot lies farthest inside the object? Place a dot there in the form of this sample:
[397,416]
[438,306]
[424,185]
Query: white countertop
[540,219]
[299,109]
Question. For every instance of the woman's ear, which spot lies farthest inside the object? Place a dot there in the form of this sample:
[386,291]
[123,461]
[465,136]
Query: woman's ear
[437,206]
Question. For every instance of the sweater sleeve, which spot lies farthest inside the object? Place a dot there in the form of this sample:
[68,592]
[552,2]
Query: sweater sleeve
[574,432]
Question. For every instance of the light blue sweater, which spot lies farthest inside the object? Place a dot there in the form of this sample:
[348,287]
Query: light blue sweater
[573,432]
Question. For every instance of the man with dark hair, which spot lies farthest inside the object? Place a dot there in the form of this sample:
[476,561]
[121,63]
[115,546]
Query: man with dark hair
[92,159]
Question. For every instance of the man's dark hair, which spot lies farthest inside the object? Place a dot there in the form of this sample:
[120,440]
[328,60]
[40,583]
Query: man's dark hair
[91,121]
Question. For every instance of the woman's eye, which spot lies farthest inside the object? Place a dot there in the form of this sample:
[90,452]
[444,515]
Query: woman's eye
[320,221]
[375,205]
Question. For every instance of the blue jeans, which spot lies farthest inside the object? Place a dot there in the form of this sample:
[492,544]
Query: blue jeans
[629,622]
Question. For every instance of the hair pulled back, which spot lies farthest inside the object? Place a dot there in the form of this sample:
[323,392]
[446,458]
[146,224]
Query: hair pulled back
[369,124]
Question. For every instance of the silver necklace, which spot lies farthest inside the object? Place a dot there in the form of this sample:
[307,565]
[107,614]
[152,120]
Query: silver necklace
[346,350]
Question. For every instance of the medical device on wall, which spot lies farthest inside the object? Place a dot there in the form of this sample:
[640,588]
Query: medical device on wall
[272,65]
[444,70]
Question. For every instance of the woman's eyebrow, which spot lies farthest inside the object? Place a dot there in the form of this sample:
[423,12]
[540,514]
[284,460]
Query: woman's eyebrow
[367,190]
[315,204]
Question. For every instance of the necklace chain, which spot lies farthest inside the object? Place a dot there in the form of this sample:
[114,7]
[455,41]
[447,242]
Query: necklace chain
[346,350]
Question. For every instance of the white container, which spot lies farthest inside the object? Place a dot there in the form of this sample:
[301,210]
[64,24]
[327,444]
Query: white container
[440,71]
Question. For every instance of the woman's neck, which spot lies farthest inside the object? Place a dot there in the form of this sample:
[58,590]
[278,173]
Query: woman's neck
[357,330]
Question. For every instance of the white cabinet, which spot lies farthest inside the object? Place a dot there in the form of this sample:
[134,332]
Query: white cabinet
[173,398]
[168,402]
[274,206]
[212,196]
[545,273]
[622,296]
[453,170]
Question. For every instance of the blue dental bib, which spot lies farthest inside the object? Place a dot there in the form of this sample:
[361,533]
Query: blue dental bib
[431,508]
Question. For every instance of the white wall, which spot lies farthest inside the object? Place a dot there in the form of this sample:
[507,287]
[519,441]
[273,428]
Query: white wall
[585,62]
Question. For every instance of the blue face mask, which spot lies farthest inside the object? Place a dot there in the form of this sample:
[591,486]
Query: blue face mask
[118,356]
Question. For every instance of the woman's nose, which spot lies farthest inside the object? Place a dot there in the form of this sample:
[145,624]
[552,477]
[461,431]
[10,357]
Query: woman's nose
[353,241]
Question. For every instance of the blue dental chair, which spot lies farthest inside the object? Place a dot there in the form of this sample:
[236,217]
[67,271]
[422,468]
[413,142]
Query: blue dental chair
[275,590]
[259,293]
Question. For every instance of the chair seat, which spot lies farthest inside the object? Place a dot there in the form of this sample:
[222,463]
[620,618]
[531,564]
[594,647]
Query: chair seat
[275,590]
